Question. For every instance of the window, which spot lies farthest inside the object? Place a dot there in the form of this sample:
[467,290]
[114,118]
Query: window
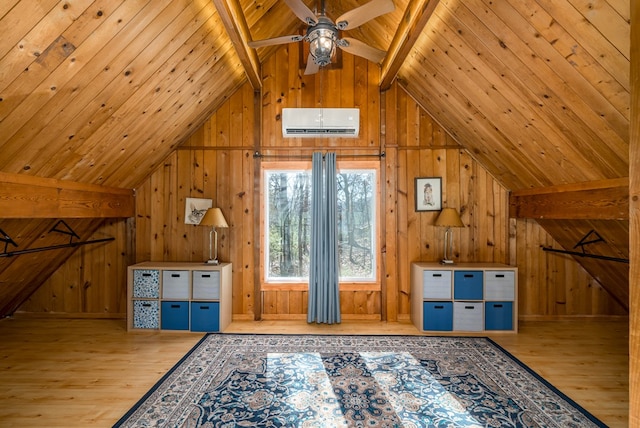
[287,219]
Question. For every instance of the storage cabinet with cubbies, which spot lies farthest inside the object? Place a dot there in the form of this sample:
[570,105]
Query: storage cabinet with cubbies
[179,296]
[468,297]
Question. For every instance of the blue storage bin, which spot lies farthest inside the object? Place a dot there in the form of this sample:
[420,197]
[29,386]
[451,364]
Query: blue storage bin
[437,316]
[205,316]
[467,285]
[174,315]
[498,316]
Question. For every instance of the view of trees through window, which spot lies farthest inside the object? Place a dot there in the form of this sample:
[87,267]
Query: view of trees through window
[288,220]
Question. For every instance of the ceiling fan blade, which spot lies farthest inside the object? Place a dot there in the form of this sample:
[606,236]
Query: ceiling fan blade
[356,47]
[312,67]
[358,16]
[275,41]
[302,11]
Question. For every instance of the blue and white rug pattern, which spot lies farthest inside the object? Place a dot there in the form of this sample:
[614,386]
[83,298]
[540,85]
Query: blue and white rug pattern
[353,381]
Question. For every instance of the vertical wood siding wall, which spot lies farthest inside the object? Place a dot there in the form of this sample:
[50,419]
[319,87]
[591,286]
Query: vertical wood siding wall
[553,284]
[217,162]
[92,282]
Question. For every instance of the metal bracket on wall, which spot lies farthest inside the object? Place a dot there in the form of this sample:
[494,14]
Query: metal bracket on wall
[66,231]
[7,240]
[591,237]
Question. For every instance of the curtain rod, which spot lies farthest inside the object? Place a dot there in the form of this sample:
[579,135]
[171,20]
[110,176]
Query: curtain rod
[258,155]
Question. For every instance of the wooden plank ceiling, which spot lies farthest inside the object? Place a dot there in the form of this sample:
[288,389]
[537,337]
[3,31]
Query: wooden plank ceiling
[101,91]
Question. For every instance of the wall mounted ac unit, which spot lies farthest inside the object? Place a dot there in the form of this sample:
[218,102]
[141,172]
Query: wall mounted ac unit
[320,122]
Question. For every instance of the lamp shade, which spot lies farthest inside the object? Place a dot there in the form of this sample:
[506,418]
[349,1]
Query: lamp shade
[448,218]
[214,217]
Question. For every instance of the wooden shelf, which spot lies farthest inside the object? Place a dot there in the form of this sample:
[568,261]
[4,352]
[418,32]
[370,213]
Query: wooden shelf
[465,297]
[180,296]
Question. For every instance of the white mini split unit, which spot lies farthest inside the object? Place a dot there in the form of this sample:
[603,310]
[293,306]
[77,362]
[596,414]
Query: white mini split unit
[320,122]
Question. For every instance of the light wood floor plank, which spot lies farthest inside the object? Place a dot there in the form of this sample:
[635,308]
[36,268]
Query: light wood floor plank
[78,373]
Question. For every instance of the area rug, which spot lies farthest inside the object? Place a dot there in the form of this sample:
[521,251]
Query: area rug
[353,381]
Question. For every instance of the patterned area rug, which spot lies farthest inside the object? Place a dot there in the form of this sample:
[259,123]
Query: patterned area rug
[352,381]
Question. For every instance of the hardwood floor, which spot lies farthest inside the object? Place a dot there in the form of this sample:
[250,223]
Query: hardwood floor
[79,373]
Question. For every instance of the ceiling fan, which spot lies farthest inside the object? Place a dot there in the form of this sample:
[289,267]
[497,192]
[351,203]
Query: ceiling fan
[322,33]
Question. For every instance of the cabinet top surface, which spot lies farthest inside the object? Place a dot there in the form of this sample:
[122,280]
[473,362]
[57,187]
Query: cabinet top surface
[454,266]
[179,265]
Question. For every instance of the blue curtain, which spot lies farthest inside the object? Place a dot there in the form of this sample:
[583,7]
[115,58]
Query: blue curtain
[324,297]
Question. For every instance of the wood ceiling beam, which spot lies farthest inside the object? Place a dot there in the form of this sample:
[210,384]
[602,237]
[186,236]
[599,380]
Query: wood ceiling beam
[238,31]
[593,200]
[24,196]
[413,22]
[634,222]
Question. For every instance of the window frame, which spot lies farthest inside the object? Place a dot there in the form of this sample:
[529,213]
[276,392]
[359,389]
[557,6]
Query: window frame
[295,285]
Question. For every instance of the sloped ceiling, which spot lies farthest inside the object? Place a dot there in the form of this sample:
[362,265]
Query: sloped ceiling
[538,90]
[101,91]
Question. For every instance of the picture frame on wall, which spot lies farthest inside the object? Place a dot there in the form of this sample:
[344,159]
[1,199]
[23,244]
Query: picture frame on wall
[428,193]
[195,208]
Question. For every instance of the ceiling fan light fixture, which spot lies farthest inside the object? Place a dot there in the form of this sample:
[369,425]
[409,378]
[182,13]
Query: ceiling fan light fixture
[322,33]
[322,46]
[322,39]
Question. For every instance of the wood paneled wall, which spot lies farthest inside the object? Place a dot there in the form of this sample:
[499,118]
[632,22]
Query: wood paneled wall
[634,224]
[351,83]
[417,146]
[554,284]
[217,162]
[92,282]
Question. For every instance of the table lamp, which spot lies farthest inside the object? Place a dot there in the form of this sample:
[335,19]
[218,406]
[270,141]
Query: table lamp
[448,218]
[214,218]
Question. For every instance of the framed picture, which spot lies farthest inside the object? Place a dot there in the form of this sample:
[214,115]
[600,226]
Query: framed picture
[194,209]
[428,193]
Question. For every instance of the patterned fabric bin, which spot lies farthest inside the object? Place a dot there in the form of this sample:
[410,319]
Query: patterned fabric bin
[146,314]
[146,283]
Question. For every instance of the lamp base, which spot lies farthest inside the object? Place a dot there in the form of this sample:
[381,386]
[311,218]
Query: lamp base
[447,262]
[212,262]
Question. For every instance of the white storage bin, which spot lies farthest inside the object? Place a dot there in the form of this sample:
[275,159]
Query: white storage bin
[175,284]
[499,285]
[436,284]
[206,285]
[468,316]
